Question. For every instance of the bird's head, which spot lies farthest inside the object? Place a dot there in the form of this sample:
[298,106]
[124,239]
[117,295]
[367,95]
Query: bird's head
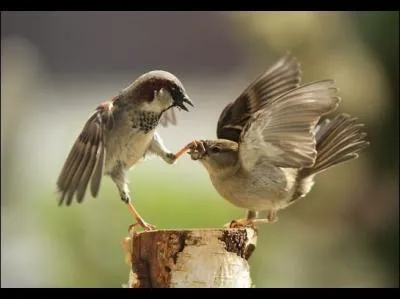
[216,155]
[158,91]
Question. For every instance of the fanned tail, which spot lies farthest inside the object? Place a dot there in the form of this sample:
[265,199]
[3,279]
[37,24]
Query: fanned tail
[338,140]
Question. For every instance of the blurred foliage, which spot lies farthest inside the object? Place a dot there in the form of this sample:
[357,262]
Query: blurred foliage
[386,48]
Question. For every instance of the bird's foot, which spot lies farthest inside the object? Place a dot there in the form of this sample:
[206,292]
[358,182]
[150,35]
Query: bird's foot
[197,149]
[242,222]
[271,217]
[173,157]
[146,226]
[266,221]
[170,158]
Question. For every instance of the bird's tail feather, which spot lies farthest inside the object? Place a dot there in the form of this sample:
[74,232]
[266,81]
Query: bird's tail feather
[338,140]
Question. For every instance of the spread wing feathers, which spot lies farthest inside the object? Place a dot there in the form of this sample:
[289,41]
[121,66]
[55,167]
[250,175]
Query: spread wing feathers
[338,141]
[86,159]
[168,117]
[283,76]
[284,130]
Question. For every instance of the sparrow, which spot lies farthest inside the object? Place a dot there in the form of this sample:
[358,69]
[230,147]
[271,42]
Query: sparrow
[121,133]
[272,142]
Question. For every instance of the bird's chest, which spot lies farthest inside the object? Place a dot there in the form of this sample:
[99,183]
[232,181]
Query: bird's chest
[144,121]
[259,191]
[234,188]
[130,138]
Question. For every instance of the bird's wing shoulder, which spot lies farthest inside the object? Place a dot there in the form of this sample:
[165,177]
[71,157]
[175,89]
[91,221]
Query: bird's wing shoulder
[283,132]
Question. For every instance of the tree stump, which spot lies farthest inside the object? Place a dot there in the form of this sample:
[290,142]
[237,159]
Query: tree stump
[209,258]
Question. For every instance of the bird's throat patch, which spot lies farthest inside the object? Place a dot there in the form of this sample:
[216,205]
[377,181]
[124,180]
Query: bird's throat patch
[145,120]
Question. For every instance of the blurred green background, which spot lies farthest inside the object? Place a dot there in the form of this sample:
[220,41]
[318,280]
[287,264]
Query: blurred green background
[58,66]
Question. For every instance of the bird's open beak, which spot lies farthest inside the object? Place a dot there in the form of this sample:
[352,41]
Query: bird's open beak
[186,100]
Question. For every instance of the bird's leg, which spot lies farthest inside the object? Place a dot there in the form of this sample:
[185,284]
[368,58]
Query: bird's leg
[157,147]
[271,218]
[193,146]
[182,150]
[251,220]
[118,176]
[127,200]
[251,215]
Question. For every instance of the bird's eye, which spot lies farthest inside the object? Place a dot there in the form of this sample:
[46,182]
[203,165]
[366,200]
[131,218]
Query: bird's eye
[215,149]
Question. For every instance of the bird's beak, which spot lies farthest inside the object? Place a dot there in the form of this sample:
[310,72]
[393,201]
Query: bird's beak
[197,149]
[186,100]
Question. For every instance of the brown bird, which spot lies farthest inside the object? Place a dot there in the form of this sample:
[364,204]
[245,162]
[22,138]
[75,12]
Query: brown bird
[271,142]
[119,134]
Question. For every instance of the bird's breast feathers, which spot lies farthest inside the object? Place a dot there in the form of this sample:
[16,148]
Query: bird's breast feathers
[127,147]
[266,187]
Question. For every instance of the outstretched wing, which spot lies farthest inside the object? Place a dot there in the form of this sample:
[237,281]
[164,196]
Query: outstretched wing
[85,161]
[284,130]
[283,76]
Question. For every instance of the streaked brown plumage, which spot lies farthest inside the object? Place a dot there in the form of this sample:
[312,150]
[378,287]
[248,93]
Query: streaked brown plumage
[119,134]
[283,76]
[271,142]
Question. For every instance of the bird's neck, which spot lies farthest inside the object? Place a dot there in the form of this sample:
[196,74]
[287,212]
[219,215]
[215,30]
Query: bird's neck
[223,172]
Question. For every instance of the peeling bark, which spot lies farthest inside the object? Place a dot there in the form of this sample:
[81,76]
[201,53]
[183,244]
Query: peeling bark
[190,258]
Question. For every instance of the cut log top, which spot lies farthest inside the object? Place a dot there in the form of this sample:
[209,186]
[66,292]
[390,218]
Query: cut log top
[190,258]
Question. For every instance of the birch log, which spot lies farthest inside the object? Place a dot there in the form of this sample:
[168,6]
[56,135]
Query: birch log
[210,258]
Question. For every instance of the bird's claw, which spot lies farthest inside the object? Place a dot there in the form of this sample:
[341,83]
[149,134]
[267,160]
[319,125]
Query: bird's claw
[197,145]
[170,158]
[182,151]
[241,223]
[146,226]
[197,149]
[194,147]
